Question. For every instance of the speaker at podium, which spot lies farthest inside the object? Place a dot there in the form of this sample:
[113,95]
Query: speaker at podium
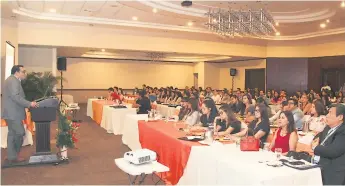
[43,115]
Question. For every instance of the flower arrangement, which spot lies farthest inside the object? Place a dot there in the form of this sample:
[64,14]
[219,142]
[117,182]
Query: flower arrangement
[67,132]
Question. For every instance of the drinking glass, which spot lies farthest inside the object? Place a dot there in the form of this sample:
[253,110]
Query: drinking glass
[278,152]
[266,147]
[238,142]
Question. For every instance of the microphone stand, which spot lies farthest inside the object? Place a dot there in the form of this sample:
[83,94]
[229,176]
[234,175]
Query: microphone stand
[61,91]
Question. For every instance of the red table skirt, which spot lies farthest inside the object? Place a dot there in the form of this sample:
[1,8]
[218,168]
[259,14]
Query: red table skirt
[161,137]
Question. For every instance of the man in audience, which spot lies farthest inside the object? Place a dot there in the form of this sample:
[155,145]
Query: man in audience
[330,152]
[143,103]
[297,113]
[184,110]
[236,105]
[209,93]
[216,97]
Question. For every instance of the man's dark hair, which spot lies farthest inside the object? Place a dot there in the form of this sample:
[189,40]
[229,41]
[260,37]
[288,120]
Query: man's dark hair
[340,110]
[234,96]
[116,88]
[111,89]
[16,68]
[295,101]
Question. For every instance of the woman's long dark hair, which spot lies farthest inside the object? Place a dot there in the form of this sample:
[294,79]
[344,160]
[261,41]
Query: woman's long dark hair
[209,103]
[229,113]
[194,104]
[319,107]
[340,97]
[263,112]
[291,126]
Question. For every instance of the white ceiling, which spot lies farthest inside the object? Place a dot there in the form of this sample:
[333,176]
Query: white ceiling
[297,19]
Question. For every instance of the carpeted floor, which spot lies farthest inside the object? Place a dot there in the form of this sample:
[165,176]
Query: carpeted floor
[91,163]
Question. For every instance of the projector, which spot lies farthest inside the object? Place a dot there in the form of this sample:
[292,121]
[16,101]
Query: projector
[140,156]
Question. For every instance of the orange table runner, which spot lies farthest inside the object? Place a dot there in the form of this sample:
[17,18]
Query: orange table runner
[97,109]
[161,137]
[29,123]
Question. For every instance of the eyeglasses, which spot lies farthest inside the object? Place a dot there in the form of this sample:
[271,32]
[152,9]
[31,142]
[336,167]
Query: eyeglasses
[291,103]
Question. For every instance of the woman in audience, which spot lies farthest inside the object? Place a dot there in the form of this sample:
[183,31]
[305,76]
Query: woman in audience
[269,95]
[201,98]
[317,121]
[227,123]
[311,97]
[305,104]
[216,97]
[225,98]
[193,116]
[325,98]
[261,100]
[260,127]
[276,98]
[184,111]
[209,112]
[247,101]
[286,136]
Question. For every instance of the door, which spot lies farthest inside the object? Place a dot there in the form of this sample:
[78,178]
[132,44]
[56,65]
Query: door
[196,80]
[255,78]
[334,77]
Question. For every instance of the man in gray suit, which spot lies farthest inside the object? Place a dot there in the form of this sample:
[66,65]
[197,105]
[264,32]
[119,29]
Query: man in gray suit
[14,104]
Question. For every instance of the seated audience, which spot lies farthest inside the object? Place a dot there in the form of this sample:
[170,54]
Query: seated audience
[340,97]
[286,136]
[225,97]
[250,116]
[297,113]
[143,103]
[316,122]
[193,116]
[283,107]
[276,98]
[261,100]
[329,153]
[227,123]
[178,98]
[260,127]
[305,105]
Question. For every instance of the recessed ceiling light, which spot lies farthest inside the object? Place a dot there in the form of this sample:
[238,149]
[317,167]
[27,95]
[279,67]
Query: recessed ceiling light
[277,33]
[327,20]
[277,24]
[342,4]
[103,50]
[322,25]
[52,10]
[190,23]
[154,10]
[134,18]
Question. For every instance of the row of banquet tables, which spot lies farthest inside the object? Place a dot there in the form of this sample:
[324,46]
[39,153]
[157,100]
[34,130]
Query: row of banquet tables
[192,162]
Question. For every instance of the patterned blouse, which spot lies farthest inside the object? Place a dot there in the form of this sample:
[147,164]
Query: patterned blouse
[316,124]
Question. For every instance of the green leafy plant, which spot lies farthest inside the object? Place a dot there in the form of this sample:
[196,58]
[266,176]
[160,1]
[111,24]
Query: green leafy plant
[67,131]
[39,84]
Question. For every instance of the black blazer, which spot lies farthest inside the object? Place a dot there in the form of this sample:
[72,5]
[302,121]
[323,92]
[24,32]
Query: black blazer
[332,156]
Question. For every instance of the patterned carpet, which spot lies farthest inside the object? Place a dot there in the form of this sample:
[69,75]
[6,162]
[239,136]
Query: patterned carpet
[92,163]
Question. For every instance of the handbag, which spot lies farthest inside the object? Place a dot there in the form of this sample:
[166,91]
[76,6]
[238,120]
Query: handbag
[249,143]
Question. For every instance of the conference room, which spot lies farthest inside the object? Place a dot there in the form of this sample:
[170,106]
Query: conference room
[173,92]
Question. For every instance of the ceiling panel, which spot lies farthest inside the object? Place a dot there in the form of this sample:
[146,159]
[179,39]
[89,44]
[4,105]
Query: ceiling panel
[109,10]
[73,7]
[34,5]
[94,6]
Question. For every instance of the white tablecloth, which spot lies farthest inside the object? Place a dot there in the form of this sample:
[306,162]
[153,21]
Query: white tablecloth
[227,165]
[166,111]
[89,111]
[113,119]
[27,138]
[130,136]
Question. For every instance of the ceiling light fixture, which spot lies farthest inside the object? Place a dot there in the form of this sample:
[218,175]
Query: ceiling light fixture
[154,10]
[190,24]
[134,18]
[103,50]
[342,4]
[52,10]
[327,20]
[248,23]
[277,24]
[323,25]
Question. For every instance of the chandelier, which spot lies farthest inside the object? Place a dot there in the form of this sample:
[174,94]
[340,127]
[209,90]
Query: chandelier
[246,23]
